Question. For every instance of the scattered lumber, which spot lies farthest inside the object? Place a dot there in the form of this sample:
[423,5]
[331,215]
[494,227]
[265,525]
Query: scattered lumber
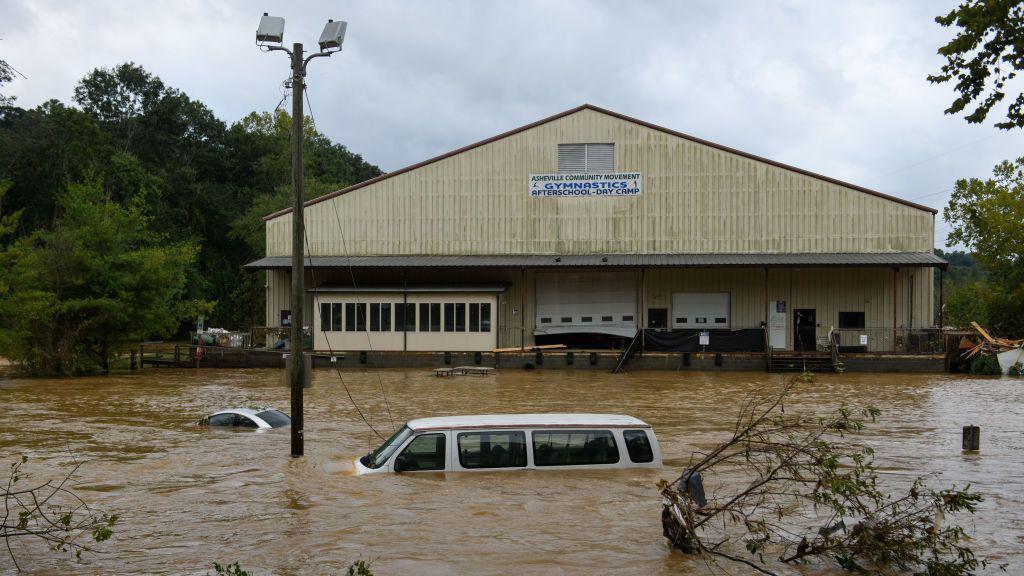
[991,345]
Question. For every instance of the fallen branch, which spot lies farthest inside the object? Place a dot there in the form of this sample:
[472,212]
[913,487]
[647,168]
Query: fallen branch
[806,492]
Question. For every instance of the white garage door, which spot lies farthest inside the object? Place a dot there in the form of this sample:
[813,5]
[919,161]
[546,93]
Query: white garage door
[700,310]
[597,302]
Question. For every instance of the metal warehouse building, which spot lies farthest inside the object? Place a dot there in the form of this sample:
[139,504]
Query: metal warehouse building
[585,227]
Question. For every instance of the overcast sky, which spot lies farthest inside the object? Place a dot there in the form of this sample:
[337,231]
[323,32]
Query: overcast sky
[836,88]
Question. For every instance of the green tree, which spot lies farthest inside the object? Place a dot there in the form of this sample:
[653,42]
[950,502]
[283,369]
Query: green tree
[99,280]
[985,55]
[6,75]
[988,217]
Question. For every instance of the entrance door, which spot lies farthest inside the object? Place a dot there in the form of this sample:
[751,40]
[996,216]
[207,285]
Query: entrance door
[804,329]
[657,317]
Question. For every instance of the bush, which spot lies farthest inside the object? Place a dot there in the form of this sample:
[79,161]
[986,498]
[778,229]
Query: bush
[986,366]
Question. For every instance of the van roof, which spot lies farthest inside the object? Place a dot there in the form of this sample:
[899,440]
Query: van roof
[527,421]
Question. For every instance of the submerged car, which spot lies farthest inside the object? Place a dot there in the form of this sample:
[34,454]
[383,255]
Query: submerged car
[247,418]
[516,442]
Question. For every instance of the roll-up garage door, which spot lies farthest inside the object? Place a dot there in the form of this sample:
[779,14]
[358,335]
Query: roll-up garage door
[579,302]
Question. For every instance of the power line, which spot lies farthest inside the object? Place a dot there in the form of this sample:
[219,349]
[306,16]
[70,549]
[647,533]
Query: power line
[939,155]
[352,275]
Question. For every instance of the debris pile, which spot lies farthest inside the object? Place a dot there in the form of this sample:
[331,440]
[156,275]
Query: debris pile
[1008,353]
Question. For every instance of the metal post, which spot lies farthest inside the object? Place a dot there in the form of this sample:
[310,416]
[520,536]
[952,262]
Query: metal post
[298,241]
[894,272]
[942,274]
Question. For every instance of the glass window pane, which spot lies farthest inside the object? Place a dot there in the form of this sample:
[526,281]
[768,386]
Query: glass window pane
[222,420]
[275,418]
[425,452]
[435,317]
[638,446]
[374,317]
[244,422]
[460,317]
[424,317]
[492,449]
[350,317]
[336,317]
[485,317]
[385,317]
[399,317]
[410,318]
[361,317]
[474,317]
[449,317]
[574,448]
[325,317]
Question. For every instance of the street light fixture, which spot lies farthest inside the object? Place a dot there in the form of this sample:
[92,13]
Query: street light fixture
[269,33]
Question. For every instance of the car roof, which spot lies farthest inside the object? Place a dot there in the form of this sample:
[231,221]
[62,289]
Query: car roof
[526,421]
[242,411]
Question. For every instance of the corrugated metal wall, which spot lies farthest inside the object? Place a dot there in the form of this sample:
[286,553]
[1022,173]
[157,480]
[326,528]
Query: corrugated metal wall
[695,199]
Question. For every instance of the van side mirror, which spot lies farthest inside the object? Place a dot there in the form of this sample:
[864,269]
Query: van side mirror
[401,463]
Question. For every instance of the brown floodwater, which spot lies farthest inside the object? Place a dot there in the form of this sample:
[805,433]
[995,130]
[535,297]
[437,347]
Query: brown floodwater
[189,496]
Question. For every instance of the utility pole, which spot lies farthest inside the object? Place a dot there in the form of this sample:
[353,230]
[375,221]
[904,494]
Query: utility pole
[298,375]
[271,31]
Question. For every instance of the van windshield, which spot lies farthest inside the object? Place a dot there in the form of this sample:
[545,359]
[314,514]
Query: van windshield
[378,457]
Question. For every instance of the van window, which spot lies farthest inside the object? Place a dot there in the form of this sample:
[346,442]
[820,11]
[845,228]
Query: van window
[425,452]
[638,446]
[574,448]
[492,449]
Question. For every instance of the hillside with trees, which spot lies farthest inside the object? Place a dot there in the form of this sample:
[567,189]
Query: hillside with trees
[183,184]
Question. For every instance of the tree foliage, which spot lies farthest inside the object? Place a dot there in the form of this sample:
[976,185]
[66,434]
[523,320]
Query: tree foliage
[79,292]
[988,217]
[799,489]
[50,513]
[198,181]
[983,58]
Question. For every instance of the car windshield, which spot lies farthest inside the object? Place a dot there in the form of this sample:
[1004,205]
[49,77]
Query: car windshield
[378,457]
[275,418]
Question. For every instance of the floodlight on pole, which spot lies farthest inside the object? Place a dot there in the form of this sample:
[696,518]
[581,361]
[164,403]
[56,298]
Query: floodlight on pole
[270,32]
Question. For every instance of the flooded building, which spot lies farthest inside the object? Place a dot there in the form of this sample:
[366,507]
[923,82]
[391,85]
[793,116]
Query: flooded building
[587,227]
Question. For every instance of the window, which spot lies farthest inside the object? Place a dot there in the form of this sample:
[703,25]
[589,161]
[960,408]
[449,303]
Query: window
[336,317]
[492,449]
[719,320]
[350,317]
[566,319]
[380,317]
[325,317]
[681,320]
[627,318]
[587,319]
[485,317]
[435,317]
[275,418]
[405,317]
[425,452]
[474,317]
[222,420]
[449,317]
[545,320]
[374,317]
[574,447]
[424,317]
[606,319]
[638,446]
[851,320]
[460,317]
[586,158]
[701,320]
[355,317]
[244,422]
[378,457]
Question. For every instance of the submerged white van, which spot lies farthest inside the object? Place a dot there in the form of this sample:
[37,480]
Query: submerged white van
[516,442]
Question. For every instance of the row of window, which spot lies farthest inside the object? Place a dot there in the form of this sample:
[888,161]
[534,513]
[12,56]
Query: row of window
[507,449]
[382,316]
[701,320]
[585,319]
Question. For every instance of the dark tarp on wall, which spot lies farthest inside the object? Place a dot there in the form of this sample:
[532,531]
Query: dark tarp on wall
[688,340]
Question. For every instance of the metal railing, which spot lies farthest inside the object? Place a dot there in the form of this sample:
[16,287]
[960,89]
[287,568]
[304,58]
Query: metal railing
[881,340]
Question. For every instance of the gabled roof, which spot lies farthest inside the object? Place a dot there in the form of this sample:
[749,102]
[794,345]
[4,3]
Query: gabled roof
[621,117]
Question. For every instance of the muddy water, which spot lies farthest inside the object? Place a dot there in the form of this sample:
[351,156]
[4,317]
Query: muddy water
[190,496]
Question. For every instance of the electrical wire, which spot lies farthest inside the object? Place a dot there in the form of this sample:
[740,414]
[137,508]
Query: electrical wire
[316,298]
[352,276]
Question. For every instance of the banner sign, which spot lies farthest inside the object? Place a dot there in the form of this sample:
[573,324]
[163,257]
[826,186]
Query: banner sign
[577,185]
